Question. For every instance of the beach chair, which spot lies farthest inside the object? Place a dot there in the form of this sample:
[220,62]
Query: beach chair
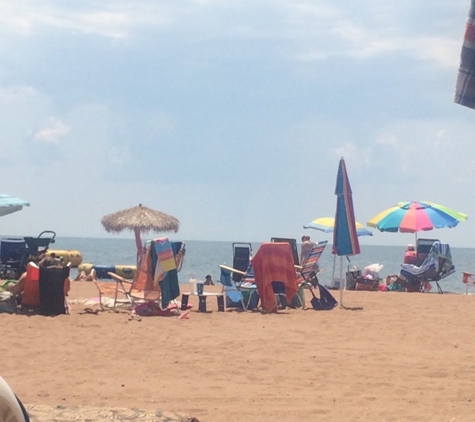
[156,277]
[11,407]
[309,271]
[293,246]
[307,275]
[423,247]
[436,266]
[242,291]
[242,254]
[274,263]
[469,280]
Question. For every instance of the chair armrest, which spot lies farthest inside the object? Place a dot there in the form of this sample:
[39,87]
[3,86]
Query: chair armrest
[234,270]
[118,278]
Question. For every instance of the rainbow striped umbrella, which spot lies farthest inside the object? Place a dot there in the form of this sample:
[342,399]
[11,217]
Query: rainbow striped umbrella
[416,216]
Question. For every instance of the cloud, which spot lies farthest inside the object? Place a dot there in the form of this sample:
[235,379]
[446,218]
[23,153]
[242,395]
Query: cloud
[53,133]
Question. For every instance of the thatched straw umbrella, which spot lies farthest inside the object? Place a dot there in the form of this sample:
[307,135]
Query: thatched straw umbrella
[140,220]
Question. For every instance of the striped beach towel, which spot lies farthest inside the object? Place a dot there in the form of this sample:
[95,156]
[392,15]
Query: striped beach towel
[165,258]
[465,87]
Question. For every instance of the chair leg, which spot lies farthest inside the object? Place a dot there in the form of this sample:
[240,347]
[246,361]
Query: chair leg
[439,288]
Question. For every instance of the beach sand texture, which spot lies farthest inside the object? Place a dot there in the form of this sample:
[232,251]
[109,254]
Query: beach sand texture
[387,357]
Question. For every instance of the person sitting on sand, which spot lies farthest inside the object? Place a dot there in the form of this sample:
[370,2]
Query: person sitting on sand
[18,288]
[83,276]
[208,281]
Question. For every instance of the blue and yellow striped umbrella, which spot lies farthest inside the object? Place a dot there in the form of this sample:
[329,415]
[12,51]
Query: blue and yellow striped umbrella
[327,225]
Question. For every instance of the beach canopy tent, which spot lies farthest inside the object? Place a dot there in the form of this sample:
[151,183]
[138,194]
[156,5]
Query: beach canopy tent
[416,216]
[10,204]
[140,219]
[345,238]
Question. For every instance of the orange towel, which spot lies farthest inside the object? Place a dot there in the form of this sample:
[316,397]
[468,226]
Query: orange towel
[274,262]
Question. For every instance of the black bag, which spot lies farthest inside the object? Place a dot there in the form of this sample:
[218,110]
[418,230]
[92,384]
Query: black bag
[326,301]
[52,290]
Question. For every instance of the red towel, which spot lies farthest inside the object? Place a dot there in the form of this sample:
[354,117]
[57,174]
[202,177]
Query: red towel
[143,280]
[274,262]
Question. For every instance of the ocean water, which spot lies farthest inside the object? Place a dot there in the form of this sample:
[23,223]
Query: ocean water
[204,258]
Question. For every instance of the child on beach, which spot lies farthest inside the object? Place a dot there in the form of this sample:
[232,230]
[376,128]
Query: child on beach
[208,281]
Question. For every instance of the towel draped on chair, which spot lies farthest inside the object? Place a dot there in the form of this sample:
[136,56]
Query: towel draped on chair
[274,262]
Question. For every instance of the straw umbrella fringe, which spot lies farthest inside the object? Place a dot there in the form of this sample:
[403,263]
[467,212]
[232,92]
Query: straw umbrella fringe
[140,219]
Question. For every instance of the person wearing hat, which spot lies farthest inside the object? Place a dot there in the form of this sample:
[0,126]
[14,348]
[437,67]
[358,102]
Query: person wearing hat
[410,255]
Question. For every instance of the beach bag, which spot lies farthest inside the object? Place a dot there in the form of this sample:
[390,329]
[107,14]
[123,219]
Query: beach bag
[7,303]
[52,300]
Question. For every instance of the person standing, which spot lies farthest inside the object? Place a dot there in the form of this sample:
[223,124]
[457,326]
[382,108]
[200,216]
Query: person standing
[307,246]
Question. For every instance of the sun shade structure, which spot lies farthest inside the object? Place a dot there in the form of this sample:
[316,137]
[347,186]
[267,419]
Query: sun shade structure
[140,219]
[327,224]
[416,216]
[345,238]
[10,204]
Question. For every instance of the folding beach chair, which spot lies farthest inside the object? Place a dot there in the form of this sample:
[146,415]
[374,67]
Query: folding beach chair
[310,270]
[242,254]
[242,291]
[156,277]
[437,265]
[423,247]
[307,275]
[293,246]
[469,280]
[274,263]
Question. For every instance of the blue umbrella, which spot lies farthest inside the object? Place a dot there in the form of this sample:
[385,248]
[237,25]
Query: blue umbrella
[345,238]
[10,204]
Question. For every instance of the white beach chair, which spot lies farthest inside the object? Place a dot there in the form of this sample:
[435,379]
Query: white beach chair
[469,280]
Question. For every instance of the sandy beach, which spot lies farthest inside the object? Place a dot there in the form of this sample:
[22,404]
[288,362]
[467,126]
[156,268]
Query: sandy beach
[386,356]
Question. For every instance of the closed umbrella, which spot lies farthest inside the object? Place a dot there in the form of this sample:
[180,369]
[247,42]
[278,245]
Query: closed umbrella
[345,238]
[140,219]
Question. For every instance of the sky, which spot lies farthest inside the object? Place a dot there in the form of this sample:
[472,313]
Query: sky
[232,116]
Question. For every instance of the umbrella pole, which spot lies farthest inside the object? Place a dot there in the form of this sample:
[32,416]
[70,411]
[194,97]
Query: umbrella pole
[341,280]
[138,243]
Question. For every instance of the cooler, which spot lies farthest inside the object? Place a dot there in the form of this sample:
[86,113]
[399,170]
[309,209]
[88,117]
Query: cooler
[9,246]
